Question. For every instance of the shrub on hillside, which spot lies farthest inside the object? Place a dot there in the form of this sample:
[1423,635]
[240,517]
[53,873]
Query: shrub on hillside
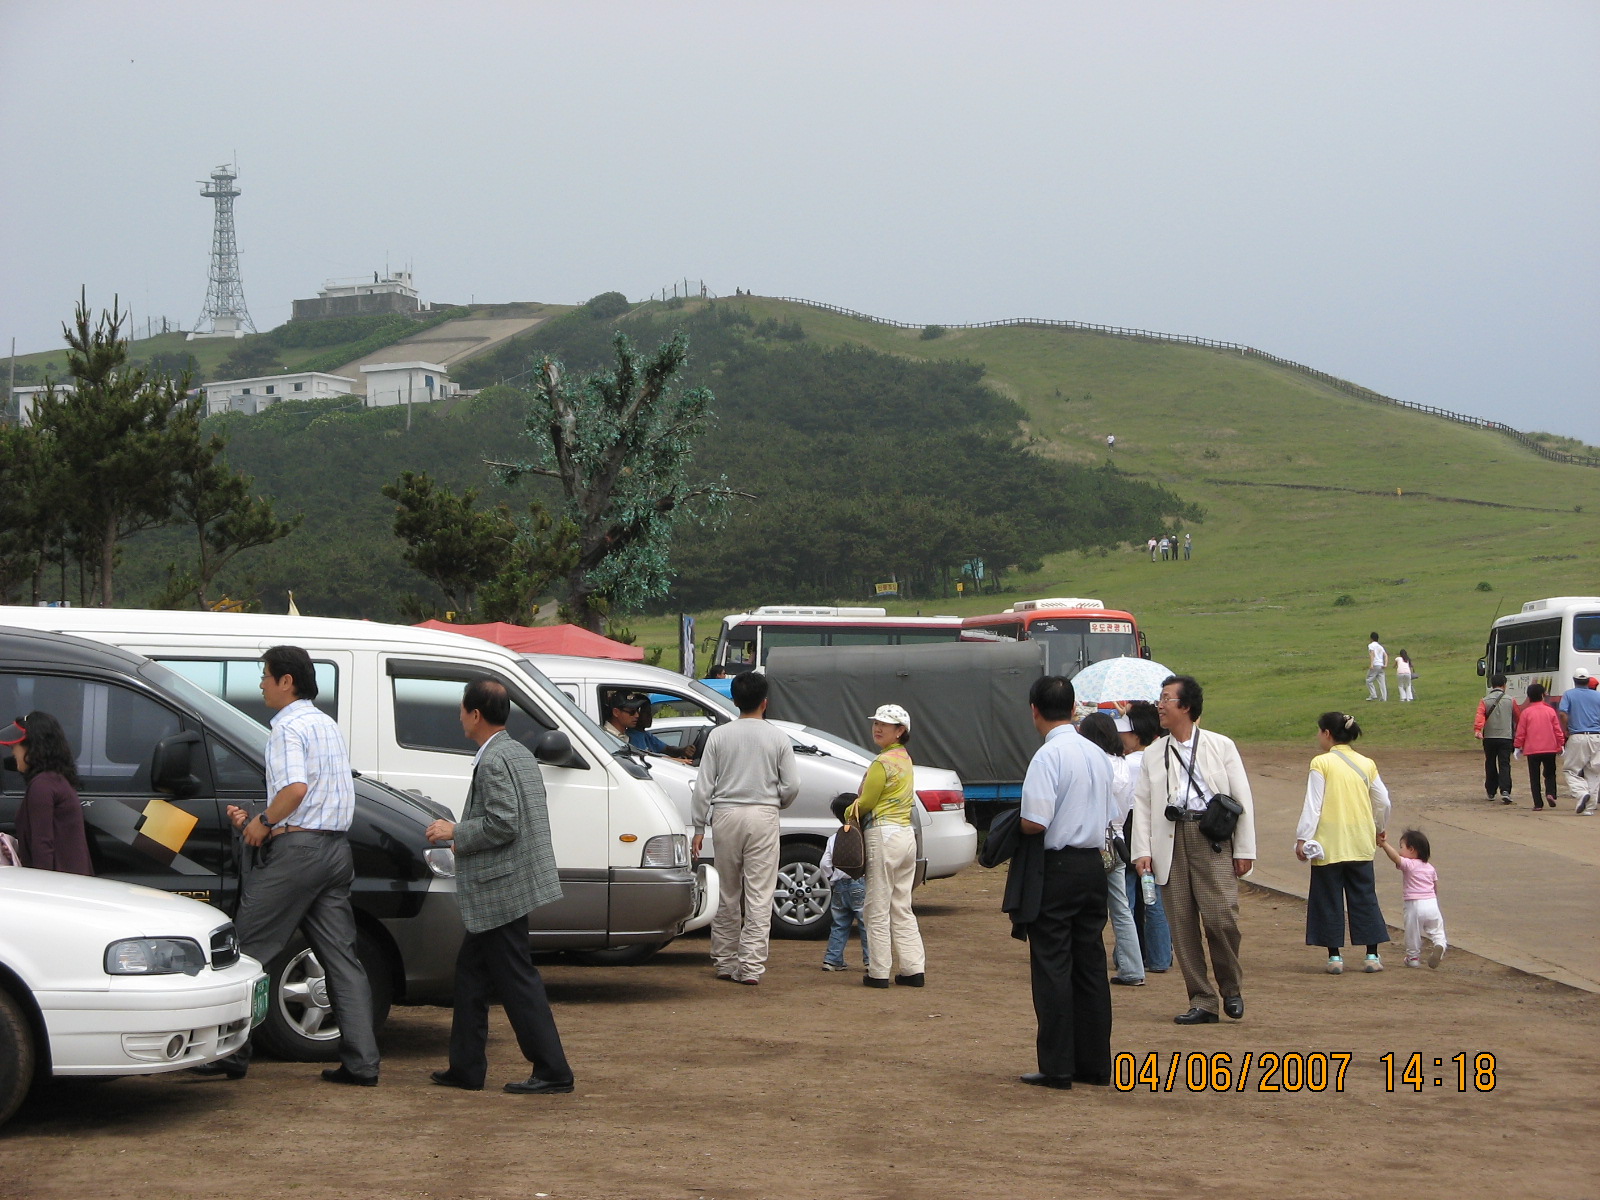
[929,332]
[607,305]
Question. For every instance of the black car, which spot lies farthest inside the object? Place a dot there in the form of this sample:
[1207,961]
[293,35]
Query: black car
[161,759]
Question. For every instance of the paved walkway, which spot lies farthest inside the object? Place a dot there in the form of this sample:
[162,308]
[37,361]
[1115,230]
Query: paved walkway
[1518,887]
[446,344]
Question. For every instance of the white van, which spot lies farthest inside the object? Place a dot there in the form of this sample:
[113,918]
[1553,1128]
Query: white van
[684,710]
[620,844]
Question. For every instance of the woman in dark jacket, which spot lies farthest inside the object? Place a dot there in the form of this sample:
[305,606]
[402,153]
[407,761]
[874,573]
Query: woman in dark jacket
[50,830]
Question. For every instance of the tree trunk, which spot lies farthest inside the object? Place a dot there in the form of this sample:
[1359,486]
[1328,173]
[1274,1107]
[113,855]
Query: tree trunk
[108,554]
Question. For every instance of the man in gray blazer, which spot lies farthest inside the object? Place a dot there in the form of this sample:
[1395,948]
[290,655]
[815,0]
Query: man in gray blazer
[505,868]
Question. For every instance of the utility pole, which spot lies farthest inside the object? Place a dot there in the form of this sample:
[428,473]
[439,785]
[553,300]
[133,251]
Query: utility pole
[411,381]
[11,388]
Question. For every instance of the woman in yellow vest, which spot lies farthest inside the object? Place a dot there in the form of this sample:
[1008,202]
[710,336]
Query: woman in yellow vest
[884,809]
[1346,807]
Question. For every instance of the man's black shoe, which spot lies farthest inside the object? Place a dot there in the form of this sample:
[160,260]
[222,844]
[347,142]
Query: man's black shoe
[1059,1082]
[1233,1006]
[537,1087]
[340,1075]
[446,1079]
[874,981]
[916,980]
[223,1068]
[1196,1016]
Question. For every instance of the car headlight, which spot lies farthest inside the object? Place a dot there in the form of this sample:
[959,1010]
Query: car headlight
[155,956]
[666,850]
[441,861]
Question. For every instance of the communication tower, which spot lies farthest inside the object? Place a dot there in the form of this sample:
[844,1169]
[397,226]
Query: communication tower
[225,314]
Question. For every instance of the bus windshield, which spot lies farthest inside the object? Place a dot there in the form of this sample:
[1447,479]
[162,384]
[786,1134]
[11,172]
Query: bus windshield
[1071,644]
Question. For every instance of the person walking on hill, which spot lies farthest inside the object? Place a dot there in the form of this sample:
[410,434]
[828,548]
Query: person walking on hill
[1539,740]
[1404,672]
[1496,726]
[1377,660]
[1188,546]
[747,774]
[1181,774]
[1346,808]
[1580,718]
[1151,546]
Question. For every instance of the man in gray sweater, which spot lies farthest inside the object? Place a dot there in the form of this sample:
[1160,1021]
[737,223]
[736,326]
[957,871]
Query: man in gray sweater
[747,774]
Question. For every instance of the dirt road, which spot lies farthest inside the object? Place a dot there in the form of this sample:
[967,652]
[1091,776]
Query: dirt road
[813,1086]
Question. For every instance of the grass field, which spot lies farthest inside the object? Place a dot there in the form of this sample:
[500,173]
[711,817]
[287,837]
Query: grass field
[1253,615]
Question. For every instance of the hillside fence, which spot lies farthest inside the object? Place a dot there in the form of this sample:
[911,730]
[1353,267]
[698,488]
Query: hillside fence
[1148,335]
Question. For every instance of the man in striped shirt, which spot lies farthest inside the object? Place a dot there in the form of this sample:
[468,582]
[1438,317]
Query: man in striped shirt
[302,867]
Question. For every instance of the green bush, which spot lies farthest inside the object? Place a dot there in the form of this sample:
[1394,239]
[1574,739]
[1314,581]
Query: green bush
[1344,601]
[1485,587]
[929,332]
[607,305]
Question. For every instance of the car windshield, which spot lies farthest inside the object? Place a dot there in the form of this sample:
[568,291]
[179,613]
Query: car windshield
[828,740]
[220,716]
[565,703]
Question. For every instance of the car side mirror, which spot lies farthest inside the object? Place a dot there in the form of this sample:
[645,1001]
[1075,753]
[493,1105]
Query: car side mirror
[1483,666]
[554,749]
[172,765]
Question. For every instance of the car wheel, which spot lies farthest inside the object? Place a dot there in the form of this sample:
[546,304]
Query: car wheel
[800,903]
[17,1056]
[619,956]
[300,1025]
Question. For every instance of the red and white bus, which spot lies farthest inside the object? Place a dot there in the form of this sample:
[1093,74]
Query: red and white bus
[1076,631]
[747,638]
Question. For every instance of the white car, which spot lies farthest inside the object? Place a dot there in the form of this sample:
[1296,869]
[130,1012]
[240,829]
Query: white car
[105,978]
[683,712]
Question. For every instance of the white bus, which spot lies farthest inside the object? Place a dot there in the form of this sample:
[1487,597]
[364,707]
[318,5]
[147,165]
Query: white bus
[748,637]
[1545,643]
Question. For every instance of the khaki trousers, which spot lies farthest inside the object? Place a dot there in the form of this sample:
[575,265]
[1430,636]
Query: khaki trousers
[747,875]
[1202,893]
[893,938]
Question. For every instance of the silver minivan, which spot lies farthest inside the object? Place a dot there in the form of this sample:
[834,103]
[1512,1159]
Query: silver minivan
[683,711]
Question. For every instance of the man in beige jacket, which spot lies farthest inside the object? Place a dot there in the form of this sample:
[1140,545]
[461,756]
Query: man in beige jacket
[1200,883]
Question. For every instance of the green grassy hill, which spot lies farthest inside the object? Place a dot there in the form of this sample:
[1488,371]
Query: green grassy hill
[1253,615]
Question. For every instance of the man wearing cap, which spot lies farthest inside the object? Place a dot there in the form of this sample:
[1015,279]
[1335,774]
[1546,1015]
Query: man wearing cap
[624,719]
[747,774]
[884,809]
[1579,711]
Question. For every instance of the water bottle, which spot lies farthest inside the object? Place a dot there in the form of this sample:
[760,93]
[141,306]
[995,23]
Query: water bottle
[1147,885]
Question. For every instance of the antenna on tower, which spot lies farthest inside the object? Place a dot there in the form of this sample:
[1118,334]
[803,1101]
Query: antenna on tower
[225,314]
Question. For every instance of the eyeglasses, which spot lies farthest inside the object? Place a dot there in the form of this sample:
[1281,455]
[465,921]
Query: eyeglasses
[1166,700]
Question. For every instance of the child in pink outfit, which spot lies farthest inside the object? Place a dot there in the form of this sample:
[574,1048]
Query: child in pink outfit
[1420,891]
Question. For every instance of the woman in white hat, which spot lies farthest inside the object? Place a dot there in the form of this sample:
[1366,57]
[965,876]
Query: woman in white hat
[884,809]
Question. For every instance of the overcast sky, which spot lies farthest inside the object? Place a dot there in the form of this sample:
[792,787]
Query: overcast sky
[1404,194]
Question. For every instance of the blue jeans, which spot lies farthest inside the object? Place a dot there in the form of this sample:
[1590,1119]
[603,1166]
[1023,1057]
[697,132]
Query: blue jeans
[1129,964]
[849,897]
[1154,935]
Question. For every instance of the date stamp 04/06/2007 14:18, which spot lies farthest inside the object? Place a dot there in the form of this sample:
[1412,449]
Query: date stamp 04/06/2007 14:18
[1296,1071]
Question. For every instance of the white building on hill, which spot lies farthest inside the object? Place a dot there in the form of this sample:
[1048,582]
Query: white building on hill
[394,383]
[24,398]
[252,395]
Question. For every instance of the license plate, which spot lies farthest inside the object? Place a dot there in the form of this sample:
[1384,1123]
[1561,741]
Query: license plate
[258,1003]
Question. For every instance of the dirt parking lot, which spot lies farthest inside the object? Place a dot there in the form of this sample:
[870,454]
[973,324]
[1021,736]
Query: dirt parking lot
[813,1086]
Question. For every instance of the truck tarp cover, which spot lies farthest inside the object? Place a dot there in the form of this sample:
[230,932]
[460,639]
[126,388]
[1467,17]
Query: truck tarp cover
[968,700]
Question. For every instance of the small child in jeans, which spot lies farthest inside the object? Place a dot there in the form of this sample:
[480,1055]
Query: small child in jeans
[1420,891]
[849,896]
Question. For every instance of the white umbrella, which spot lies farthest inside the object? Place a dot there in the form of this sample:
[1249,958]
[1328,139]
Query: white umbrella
[1113,679]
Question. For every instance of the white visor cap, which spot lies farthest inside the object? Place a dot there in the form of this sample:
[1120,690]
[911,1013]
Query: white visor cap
[892,714]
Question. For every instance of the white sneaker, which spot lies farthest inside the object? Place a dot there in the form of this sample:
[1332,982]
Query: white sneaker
[1335,965]
[828,966]
[1374,964]
[1582,806]
[1435,955]
[1412,961]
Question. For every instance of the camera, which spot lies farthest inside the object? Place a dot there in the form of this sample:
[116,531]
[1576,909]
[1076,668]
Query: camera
[1174,813]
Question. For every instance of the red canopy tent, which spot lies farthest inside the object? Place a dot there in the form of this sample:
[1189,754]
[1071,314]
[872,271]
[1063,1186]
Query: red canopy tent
[545,639]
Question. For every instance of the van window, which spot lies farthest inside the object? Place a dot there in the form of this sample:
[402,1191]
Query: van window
[427,716]
[238,681]
[112,730]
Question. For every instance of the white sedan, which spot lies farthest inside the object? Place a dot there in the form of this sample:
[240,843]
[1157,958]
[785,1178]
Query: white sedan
[105,978]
